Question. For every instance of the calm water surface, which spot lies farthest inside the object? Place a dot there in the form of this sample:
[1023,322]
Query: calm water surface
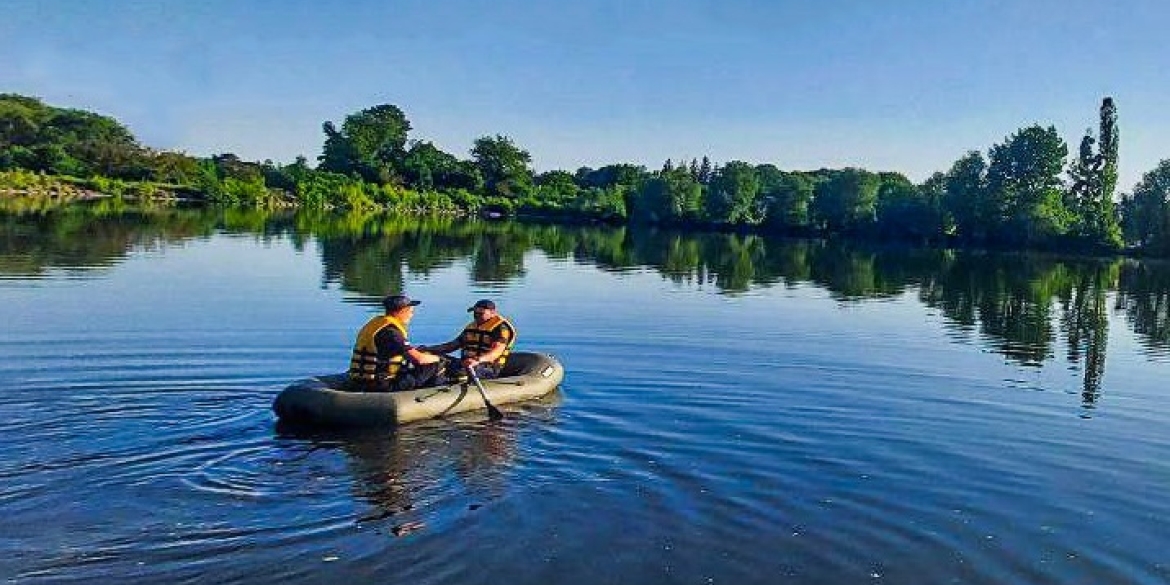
[736,409]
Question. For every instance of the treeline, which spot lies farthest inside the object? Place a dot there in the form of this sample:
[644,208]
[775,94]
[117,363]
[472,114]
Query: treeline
[1023,192]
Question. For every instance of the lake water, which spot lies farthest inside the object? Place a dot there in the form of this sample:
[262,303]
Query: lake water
[736,409]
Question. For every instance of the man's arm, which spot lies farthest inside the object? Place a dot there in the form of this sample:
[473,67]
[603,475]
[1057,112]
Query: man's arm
[491,355]
[421,357]
[447,347]
[390,341]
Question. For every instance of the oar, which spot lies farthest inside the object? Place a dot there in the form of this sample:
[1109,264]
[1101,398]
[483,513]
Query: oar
[493,412]
[430,395]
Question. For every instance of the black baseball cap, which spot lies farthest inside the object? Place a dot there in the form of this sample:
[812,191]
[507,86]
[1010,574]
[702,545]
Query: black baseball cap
[482,304]
[396,302]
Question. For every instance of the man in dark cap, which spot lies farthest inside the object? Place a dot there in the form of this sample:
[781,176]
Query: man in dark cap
[383,359]
[485,343]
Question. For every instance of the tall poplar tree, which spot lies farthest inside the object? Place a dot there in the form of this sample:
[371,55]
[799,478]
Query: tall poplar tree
[1085,188]
[1109,138]
[1094,180]
[1106,228]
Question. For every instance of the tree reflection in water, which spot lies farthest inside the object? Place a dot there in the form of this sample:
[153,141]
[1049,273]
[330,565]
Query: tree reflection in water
[1143,295]
[1022,306]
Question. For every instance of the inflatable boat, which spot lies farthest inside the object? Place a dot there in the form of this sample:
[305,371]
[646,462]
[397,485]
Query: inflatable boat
[325,401]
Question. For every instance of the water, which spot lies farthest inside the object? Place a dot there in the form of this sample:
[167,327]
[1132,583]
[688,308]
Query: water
[736,409]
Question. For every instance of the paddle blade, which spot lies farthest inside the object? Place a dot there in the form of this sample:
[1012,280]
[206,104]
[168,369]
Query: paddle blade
[494,413]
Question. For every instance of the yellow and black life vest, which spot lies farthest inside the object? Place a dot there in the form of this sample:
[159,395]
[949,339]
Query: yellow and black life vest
[364,366]
[477,339]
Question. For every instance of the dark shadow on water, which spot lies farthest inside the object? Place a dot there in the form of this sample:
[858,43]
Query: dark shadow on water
[406,472]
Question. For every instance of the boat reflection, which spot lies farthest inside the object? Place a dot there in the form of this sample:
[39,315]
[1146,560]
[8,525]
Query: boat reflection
[408,473]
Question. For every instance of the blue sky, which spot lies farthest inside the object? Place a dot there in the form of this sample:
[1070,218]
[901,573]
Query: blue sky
[906,85]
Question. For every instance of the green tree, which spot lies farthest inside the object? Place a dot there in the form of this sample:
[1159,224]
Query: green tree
[53,158]
[786,198]
[100,144]
[670,196]
[934,193]
[228,165]
[705,171]
[733,195]
[1023,181]
[426,167]
[16,157]
[556,187]
[1110,141]
[503,166]
[125,160]
[174,167]
[624,180]
[371,144]
[609,204]
[285,177]
[902,211]
[966,199]
[321,189]
[67,141]
[20,120]
[1104,227]
[846,201]
[1084,178]
[1146,212]
[770,179]
[1093,176]
[338,154]
[626,175]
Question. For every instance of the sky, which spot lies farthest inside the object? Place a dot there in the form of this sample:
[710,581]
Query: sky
[907,85]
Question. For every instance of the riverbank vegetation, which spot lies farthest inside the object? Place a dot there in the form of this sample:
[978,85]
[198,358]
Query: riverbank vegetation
[1025,192]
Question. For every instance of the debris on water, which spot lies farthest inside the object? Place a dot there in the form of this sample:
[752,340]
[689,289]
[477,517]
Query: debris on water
[407,528]
[475,506]
[330,558]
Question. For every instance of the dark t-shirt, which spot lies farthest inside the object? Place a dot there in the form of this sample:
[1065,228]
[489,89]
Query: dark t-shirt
[391,342]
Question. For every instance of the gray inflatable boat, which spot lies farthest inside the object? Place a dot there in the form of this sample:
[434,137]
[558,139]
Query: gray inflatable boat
[324,401]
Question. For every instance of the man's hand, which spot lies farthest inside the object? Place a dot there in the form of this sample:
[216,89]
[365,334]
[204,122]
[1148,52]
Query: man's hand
[422,357]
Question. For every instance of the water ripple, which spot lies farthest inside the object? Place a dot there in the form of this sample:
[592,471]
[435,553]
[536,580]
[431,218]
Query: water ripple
[771,435]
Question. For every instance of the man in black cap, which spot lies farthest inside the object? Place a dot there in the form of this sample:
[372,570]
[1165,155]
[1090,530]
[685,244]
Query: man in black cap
[484,343]
[383,359]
